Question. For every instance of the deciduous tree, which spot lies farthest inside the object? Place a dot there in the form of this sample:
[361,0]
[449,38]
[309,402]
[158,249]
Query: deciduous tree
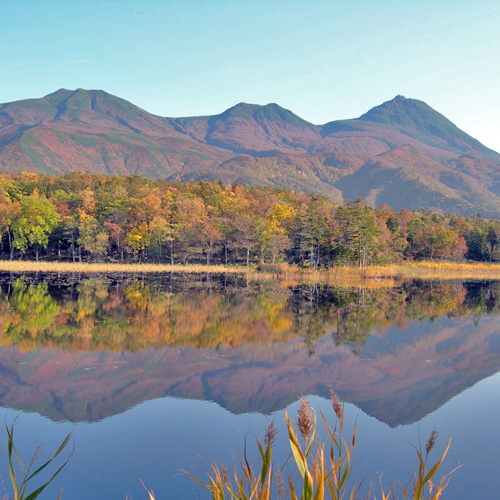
[36,219]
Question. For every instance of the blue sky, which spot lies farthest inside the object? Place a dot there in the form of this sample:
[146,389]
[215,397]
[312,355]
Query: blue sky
[322,59]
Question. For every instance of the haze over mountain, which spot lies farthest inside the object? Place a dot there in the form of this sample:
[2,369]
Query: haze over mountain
[402,152]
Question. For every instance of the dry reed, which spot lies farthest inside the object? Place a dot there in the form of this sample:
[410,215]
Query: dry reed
[109,268]
[325,474]
[372,276]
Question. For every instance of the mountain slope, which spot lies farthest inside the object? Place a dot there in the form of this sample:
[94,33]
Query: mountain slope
[406,178]
[419,121]
[252,129]
[96,132]
[402,152]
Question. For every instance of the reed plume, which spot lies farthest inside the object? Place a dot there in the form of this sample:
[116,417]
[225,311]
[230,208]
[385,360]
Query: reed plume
[305,418]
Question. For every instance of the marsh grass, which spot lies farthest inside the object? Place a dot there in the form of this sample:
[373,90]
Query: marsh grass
[110,268]
[422,485]
[387,276]
[285,274]
[325,467]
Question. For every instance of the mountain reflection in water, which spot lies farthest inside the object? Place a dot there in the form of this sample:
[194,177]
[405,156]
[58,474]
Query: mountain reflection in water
[81,349]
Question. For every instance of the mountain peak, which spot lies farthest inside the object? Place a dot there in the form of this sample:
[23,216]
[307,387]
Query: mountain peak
[418,120]
[89,110]
[400,98]
[79,93]
[402,112]
[270,112]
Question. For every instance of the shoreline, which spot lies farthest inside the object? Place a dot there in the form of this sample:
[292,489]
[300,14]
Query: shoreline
[283,272]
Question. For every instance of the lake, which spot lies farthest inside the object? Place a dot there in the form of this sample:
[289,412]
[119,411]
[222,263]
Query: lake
[161,374]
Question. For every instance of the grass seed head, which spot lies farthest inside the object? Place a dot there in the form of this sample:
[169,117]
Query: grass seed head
[224,474]
[270,436]
[304,418]
[337,407]
[281,486]
[315,468]
[431,442]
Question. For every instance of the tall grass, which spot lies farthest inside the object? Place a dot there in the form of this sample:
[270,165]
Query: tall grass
[285,273]
[325,467]
[109,268]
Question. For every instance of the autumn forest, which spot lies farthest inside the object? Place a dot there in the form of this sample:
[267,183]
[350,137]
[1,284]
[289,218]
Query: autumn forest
[84,217]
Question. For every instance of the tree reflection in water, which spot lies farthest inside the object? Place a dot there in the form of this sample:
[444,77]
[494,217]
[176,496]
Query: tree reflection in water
[134,314]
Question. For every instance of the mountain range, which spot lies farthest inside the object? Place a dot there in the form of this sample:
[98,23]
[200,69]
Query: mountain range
[401,152]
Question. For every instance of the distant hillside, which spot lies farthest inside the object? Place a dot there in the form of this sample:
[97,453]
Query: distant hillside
[419,121]
[96,132]
[402,152]
[255,130]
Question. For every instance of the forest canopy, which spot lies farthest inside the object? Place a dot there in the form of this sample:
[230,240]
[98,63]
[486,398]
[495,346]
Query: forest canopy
[90,218]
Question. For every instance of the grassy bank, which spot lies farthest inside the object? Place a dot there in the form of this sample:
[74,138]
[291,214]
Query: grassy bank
[382,275]
[28,266]
[400,272]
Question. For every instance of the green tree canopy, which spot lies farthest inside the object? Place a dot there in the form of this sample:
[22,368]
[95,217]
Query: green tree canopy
[36,219]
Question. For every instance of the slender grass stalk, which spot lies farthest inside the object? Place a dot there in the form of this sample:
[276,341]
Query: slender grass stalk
[20,484]
[423,488]
[325,474]
[150,493]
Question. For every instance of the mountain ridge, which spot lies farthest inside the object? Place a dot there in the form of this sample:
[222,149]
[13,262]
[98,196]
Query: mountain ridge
[92,130]
[416,118]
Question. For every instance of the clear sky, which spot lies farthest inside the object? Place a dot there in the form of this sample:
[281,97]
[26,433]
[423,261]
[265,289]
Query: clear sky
[322,59]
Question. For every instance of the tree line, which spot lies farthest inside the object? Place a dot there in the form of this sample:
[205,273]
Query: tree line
[87,217]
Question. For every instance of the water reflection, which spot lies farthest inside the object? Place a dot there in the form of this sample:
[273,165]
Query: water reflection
[82,349]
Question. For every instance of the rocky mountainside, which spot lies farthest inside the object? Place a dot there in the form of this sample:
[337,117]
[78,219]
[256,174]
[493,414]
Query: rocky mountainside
[402,152]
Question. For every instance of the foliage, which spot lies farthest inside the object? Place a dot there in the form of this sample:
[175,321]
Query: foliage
[94,217]
[93,238]
[358,230]
[138,238]
[36,219]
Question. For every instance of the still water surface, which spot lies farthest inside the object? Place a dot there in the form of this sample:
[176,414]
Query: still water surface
[155,375]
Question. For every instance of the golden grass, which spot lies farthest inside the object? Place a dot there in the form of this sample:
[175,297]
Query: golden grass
[436,270]
[108,268]
[372,276]
[383,276]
